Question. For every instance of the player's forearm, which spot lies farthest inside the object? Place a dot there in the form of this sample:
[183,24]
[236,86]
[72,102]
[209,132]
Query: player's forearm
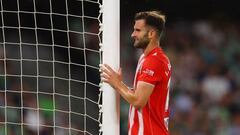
[128,95]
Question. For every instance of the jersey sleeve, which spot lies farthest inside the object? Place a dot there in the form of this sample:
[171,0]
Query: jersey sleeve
[151,71]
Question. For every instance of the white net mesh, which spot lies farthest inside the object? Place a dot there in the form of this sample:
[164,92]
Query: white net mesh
[49,57]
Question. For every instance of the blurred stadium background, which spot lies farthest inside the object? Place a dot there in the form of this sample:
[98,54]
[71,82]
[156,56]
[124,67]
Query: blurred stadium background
[202,39]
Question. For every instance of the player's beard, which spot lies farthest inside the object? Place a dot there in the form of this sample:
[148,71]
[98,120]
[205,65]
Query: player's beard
[142,42]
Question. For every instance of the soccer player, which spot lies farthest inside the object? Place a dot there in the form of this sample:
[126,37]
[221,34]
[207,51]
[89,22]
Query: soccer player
[149,110]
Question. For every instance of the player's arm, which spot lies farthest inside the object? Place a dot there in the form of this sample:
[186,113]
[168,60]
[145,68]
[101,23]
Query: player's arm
[138,97]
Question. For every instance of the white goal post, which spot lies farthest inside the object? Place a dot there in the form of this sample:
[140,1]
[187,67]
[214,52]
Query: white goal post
[111,56]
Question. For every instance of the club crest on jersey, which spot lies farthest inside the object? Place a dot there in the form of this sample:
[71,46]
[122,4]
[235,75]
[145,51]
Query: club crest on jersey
[148,72]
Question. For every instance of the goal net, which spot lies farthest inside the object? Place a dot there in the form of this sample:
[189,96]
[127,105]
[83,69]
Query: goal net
[49,67]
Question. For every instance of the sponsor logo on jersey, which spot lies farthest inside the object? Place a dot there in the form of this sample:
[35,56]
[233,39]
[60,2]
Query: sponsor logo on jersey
[148,72]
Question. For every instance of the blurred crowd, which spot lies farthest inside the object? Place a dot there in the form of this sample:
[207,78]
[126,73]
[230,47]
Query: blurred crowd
[205,84]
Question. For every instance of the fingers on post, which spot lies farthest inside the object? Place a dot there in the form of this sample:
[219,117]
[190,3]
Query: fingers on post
[104,68]
[108,68]
[104,80]
[105,77]
[120,71]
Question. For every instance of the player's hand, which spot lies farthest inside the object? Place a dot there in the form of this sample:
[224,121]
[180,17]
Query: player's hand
[108,75]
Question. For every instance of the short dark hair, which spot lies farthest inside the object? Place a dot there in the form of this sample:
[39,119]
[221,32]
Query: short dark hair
[154,19]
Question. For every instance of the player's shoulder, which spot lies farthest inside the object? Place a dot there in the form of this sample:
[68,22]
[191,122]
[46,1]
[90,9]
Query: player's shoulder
[159,59]
[158,56]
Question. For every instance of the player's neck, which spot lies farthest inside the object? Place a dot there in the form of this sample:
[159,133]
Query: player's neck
[150,47]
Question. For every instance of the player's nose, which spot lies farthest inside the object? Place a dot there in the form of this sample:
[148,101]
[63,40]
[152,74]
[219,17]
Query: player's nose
[133,34]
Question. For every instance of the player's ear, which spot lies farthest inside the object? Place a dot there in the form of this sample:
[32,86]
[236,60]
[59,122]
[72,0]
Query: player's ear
[151,33]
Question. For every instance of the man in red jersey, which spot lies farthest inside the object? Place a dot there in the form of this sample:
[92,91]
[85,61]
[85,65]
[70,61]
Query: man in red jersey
[149,110]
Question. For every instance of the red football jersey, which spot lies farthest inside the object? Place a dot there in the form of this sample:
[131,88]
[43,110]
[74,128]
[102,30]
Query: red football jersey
[152,119]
